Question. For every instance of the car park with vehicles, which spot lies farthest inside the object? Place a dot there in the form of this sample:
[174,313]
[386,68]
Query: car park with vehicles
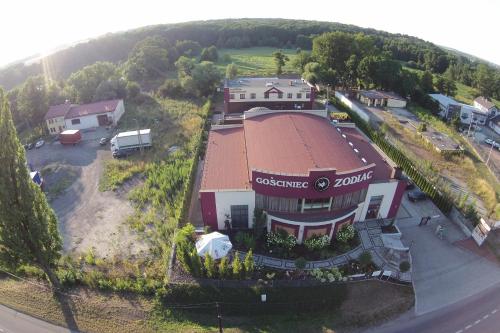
[417,195]
[103,141]
[39,144]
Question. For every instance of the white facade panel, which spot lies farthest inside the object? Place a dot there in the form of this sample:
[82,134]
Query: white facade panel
[118,113]
[396,103]
[387,190]
[85,122]
[224,200]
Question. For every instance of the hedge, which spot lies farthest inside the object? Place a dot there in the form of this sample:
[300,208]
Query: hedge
[443,202]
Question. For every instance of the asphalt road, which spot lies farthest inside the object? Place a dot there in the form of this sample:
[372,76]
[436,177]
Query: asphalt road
[15,322]
[477,314]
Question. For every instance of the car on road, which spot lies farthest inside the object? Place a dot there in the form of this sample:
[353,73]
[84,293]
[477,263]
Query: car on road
[416,195]
[121,153]
[39,144]
[103,141]
[491,142]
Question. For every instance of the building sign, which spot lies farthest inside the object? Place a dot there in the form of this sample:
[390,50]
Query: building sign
[318,184]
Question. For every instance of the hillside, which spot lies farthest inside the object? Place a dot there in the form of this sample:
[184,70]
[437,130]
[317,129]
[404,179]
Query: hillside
[231,33]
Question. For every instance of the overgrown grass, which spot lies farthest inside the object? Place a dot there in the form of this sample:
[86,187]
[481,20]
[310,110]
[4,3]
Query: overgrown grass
[116,172]
[255,61]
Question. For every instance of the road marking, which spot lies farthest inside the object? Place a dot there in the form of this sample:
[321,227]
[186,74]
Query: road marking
[459,331]
[494,311]
[467,327]
[486,316]
[477,322]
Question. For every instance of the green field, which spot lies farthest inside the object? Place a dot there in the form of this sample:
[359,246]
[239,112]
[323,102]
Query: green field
[255,61]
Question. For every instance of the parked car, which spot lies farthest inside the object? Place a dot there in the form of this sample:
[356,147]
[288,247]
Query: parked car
[29,146]
[119,153]
[416,195]
[103,141]
[39,144]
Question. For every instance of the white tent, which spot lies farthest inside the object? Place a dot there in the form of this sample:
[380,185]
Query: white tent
[215,244]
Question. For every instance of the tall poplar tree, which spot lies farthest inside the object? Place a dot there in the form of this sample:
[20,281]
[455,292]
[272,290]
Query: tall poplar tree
[28,226]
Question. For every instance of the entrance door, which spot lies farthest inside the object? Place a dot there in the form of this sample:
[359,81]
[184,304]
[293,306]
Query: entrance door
[102,120]
[239,216]
[374,207]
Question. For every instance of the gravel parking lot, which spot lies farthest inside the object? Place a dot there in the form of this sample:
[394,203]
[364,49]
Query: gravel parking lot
[87,217]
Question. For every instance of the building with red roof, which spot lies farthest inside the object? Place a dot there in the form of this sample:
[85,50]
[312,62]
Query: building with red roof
[71,116]
[309,176]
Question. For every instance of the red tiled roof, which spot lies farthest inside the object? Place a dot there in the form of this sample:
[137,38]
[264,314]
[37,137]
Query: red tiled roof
[58,111]
[225,161]
[92,108]
[293,143]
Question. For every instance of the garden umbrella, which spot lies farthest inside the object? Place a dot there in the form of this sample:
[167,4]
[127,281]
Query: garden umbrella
[215,244]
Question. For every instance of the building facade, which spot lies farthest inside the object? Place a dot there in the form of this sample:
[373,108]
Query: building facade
[243,94]
[309,177]
[71,116]
[486,106]
[379,98]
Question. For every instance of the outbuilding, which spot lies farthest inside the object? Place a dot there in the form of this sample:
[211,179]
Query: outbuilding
[308,176]
[380,98]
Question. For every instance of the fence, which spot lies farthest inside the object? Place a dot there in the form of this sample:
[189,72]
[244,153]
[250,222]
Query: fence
[441,201]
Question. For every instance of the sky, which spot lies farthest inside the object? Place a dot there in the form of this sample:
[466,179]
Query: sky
[29,27]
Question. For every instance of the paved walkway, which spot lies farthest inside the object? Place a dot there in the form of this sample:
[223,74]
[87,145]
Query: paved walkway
[443,273]
[369,234]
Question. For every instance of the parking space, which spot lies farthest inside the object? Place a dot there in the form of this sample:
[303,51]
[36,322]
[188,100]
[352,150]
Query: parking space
[443,273]
[484,149]
[87,217]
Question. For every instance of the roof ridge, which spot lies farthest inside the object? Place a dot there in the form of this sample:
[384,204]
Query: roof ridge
[303,141]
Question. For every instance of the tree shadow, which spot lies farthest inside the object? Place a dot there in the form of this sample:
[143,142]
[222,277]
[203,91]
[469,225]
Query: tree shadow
[67,306]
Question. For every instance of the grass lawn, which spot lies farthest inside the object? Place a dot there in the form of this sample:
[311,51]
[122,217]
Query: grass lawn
[95,311]
[255,61]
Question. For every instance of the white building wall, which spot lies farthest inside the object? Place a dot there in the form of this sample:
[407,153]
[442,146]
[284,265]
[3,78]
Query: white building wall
[353,106]
[387,190]
[259,93]
[118,113]
[56,122]
[224,200]
[85,122]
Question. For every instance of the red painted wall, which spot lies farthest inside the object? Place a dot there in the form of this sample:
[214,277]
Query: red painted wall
[209,210]
[396,200]
[295,228]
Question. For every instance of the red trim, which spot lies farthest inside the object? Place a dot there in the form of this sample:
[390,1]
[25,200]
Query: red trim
[295,228]
[312,228]
[209,209]
[396,199]
[340,224]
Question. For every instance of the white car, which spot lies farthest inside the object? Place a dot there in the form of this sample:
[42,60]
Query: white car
[39,143]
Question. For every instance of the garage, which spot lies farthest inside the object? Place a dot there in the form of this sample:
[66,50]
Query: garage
[102,120]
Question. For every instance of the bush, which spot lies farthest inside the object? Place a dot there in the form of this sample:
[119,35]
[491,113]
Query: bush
[422,127]
[245,240]
[224,268]
[171,88]
[365,259]
[404,266]
[237,266]
[281,239]
[90,257]
[317,242]
[249,264]
[196,266]
[346,233]
[209,266]
[300,263]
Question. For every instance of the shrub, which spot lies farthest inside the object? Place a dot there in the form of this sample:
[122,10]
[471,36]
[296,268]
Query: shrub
[365,259]
[317,242]
[90,257]
[245,240]
[249,264]
[196,266]
[404,266]
[237,266]
[422,127]
[68,277]
[209,266]
[281,239]
[346,233]
[300,263]
[224,268]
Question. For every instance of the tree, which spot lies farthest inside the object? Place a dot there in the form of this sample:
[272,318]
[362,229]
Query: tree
[237,266]
[209,266]
[149,60]
[205,78]
[32,100]
[196,265]
[184,66]
[249,264]
[301,60]
[231,71]
[279,60]
[187,48]
[209,54]
[133,90]
[485,80]
[85,82]
[28,226]
[224,268]
[365,259]
[426,83]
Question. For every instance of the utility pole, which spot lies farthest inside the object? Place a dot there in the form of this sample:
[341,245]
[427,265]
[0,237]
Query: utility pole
[470,125]
[139,138]
[219,317]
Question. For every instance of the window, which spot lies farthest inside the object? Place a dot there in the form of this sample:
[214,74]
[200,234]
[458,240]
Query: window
[75,121]
[252,96]
[239,216]
[289,95]
[242,96]
[280,95]
[317,204]
[266,95]
[374,207]
[52,130]
[231,96]
[299,95]
[308,95]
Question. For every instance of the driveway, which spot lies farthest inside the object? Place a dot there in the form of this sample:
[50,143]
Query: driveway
[443,273]
[87,217]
